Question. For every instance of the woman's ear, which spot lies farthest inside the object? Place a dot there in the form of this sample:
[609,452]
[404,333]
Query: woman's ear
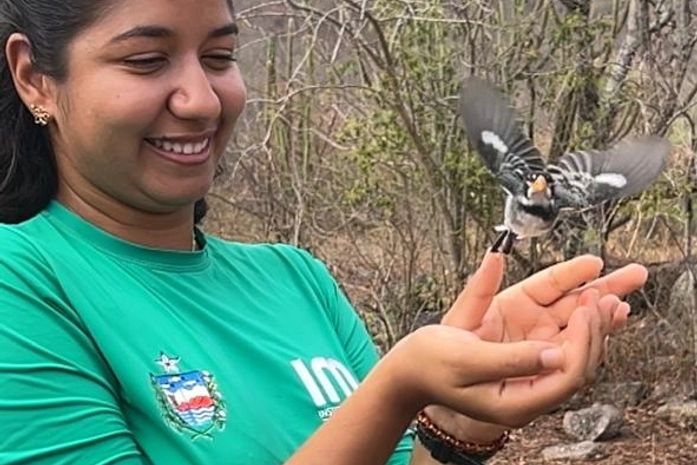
[33,86]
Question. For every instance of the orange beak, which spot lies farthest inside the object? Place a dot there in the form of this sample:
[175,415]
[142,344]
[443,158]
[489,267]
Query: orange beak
[540,184]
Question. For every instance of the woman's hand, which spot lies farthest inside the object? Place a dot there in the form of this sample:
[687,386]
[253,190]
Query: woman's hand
[507,383]
[449,366]
[538,308]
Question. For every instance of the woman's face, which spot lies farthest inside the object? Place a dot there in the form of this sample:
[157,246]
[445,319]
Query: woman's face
[149,103]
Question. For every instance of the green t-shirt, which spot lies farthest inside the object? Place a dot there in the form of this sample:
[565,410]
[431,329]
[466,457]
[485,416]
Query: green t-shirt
[113,353]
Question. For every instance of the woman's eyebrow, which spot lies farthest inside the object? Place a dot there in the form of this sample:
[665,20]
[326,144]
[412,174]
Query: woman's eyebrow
[228,29]
[143,31]
[163,32]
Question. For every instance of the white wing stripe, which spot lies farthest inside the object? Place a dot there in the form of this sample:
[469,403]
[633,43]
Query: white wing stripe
[611,179]
[495,141]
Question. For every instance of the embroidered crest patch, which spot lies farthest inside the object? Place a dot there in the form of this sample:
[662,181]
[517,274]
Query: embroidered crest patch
[190,400]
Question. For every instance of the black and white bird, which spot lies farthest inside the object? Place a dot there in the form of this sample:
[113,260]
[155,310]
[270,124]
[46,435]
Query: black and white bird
[536,191]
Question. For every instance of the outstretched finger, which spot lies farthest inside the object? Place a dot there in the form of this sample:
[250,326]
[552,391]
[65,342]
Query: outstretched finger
[548,285]
[601,311]
[473,302]
[619,318]
[622,281]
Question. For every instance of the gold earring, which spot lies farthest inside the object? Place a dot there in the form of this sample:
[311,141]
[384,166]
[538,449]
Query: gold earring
[41,116]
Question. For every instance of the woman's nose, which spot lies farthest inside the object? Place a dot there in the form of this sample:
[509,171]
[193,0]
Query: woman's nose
[194,97]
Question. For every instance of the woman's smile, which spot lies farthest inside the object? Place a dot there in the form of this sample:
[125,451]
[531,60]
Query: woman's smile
[183,149]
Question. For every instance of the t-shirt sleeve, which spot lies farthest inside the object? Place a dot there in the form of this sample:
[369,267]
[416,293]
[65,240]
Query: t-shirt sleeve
[359,346]
[58,401]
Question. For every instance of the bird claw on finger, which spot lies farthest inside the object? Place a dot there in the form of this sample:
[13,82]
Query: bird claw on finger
[504,242]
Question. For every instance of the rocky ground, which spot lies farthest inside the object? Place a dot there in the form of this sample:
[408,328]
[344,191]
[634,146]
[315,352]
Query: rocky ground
[644,440]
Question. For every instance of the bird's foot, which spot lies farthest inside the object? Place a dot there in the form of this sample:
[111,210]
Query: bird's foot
[509,242]
[504,243]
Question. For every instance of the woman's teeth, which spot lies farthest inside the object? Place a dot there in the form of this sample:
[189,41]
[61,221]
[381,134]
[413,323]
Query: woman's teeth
[185,148]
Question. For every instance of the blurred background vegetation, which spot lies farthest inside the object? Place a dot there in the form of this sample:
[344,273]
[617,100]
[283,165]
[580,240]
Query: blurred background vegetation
[350,147]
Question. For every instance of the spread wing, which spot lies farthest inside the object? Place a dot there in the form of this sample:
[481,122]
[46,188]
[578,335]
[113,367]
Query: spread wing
[493,128]
[586,178]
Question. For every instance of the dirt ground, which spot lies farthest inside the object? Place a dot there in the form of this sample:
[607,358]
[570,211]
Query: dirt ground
[645,440]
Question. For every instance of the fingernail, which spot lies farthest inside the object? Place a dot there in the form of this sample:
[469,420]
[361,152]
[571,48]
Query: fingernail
[552,358]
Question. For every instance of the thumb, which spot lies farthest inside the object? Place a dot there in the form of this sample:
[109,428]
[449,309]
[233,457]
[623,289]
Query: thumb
[495,361]
[473,302]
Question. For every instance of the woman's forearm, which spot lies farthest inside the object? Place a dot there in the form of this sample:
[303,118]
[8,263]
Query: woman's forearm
[366,428]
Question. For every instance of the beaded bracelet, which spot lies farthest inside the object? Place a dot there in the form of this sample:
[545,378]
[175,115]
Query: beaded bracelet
[446,448]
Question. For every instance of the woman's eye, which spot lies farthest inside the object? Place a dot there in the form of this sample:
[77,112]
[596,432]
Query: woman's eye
[145,64]
[220,60]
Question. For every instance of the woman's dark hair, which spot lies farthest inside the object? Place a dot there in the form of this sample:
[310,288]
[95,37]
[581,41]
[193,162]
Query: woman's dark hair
[28,177]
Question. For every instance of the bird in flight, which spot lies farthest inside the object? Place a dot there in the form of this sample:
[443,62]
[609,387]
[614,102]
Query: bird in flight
[536,191]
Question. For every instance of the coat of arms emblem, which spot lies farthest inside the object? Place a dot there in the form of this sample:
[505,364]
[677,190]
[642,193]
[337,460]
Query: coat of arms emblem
[190,400]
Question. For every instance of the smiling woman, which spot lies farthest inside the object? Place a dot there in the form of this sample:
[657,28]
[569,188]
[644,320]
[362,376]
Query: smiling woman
[129,336]
[146,128]
[143,115]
